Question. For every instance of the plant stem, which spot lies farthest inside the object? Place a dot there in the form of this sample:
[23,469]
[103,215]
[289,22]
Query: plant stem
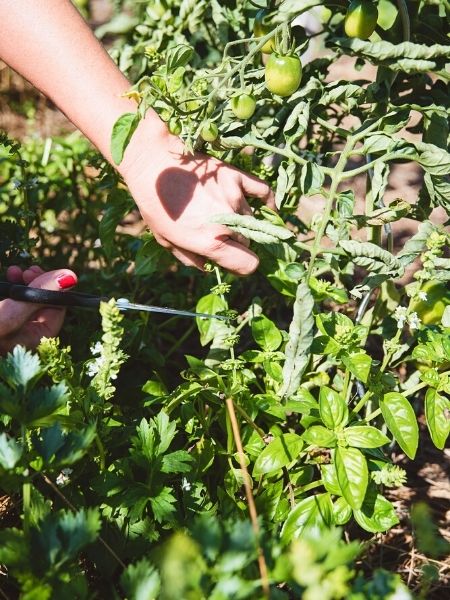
[372,415]
[249,494]
[362,402]
[336,178]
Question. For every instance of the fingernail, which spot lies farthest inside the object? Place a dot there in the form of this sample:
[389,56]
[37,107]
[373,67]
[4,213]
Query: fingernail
[66,281]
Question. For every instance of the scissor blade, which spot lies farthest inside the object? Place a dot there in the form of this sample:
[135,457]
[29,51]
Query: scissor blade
[124,304]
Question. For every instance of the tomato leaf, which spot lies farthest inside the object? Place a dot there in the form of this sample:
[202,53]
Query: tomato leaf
[121,134]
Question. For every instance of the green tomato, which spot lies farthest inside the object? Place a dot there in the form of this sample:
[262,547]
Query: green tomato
[243,105]
[361,19]
[283,74]
[175,127]
[260,28]
[209,131]
[430,311]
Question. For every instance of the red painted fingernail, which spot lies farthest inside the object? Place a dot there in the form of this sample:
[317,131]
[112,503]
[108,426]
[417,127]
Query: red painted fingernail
[66,281]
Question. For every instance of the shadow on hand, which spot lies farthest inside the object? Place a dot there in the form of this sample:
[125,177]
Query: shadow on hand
[175,186]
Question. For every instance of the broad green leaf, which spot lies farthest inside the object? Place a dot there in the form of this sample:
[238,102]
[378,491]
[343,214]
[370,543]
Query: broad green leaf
[352,474]
[280,452]
[119,204]
[365,436]
[20,367]
[342,511]
[437,411]
[176,462]
[358,364]
[121,134]
[265,333]
[141,581]
[45,401]
[10,452]
[329,478]
[333,409]
[300,340]
[76,530]
[314,511]
[163,504]
[401,421]
[317,435]
[211,304]
[302,402]
[376,514]
[14,548]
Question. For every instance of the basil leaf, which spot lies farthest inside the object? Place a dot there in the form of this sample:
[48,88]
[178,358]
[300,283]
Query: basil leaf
[401,422]
[279,453]
[352,475]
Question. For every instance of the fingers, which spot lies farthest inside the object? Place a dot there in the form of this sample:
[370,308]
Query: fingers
[189,258]
[233,256]
[257,188]
[14,274]
[15,315]
[58,280]
[30,274]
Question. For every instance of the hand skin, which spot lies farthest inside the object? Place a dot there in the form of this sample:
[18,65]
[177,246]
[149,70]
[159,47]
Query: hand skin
[50,44]
[25,323]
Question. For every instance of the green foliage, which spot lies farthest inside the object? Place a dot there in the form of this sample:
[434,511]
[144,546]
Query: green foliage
[119,449]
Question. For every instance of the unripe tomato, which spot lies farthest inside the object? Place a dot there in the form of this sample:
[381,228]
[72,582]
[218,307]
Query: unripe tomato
[243,105]
[175,127]
[260,29]
[209,131]
[283,74]
[430,311]
[361,19]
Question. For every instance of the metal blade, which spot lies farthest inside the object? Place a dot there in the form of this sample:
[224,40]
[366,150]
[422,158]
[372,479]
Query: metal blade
[125,304]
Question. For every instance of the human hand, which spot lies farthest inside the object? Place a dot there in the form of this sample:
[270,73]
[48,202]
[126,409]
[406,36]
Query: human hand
[178,194]
[26,323]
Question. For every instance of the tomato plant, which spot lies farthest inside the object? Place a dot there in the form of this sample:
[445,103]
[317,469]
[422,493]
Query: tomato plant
[361,19]
[132,448]
[283,74]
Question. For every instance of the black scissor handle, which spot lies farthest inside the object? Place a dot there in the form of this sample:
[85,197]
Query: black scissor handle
[24,293]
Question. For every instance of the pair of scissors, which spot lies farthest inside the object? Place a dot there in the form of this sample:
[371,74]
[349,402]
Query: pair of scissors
[23,293]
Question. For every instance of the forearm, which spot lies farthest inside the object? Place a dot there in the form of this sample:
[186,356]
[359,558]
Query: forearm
[49,43]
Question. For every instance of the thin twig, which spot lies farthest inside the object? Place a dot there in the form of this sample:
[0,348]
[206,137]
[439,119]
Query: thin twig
[72,507]
[250,500]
